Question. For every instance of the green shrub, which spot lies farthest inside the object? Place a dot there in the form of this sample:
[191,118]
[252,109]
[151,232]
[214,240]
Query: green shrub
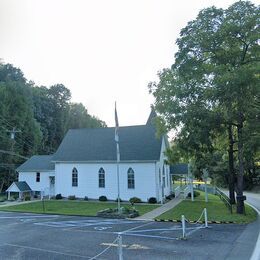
[27,198]
[15,196]
[135,200]
[171,196]
[72,197]
[86,198]
[58,197]
[102,198]
[12,199]
[152,200]
[195,194]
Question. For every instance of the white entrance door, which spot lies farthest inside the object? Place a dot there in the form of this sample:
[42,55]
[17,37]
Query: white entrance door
[52,185]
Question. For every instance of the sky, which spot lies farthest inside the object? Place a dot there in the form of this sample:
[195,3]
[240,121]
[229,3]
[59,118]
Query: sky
[102,50]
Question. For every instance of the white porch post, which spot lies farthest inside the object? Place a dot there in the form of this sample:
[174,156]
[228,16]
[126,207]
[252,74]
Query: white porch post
[9,195]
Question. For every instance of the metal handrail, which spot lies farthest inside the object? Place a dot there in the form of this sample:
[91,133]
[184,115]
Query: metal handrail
[224,198]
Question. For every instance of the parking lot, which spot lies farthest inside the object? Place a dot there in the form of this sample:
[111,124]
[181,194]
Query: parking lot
[35,236]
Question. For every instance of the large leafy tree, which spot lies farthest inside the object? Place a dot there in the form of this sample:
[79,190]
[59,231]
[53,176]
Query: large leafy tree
[214,82]
[40,115]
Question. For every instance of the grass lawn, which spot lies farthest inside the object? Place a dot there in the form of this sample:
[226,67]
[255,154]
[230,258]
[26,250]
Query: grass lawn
[217,211]
[81,208]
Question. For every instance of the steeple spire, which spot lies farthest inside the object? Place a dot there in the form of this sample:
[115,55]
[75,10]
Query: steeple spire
[152,116]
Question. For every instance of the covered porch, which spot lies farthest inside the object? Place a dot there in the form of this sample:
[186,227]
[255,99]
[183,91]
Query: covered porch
[19,187]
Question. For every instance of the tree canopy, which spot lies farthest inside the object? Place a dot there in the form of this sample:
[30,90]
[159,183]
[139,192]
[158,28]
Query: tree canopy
[211,92]
[41,116]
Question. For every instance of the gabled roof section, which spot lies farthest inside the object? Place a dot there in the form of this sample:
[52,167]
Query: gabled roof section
[37,163]
[137,143]
[21,186]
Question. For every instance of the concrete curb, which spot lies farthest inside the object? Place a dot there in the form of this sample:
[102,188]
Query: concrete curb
[200,222]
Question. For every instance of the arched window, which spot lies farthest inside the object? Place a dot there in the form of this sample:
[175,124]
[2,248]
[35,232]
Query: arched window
[131,178]
[101,178]
[74,177]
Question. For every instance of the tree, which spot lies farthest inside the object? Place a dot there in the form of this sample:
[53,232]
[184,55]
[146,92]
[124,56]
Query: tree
[42,115]
[215,77]
[79,118]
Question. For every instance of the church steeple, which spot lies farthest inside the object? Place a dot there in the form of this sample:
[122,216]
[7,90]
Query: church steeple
[152,116]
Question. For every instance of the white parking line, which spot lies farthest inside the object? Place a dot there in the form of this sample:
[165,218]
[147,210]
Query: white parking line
[72,224]
[48,251]
[31,216]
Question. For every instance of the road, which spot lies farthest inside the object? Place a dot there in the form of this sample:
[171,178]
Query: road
[253,199]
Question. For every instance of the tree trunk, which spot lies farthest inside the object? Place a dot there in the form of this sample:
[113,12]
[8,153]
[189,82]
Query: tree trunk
[240,176]
[231,179]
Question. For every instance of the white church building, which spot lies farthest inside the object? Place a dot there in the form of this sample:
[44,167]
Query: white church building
[85,164]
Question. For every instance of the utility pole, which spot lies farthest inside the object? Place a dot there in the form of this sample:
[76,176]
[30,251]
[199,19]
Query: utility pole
[12,136]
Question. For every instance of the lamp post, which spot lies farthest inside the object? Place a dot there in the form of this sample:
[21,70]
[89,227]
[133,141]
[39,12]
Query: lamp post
[205,178]
[190,180]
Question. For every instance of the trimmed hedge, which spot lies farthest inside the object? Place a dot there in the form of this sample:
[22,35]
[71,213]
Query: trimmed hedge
[27,198]
[102,198]
[152,200]
[58,197]
[135,200]
[72,197]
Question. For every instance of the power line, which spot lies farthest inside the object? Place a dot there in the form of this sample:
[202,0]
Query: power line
[17,138]
[24,141]
[14,154]
[20,139]
[6,122]
[17,141]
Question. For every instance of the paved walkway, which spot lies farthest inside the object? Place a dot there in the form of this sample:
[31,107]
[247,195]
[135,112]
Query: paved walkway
[13,203]
[160,210]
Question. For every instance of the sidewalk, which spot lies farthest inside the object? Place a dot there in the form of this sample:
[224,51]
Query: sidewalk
[160,210]
[13,203]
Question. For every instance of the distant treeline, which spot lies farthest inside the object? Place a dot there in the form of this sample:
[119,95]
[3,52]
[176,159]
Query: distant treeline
[41,116]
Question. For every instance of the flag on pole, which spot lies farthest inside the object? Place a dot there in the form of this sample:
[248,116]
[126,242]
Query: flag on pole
[117,126]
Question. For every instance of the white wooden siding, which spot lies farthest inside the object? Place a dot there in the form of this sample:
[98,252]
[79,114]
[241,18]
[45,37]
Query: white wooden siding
[30,178]
[145,186]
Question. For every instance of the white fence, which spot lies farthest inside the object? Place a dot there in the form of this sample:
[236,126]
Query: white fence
[186,191]
[177,191]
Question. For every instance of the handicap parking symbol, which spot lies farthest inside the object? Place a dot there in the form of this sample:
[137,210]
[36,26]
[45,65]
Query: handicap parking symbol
[101,228]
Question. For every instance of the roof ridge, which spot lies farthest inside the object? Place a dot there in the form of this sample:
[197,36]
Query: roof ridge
[110,127]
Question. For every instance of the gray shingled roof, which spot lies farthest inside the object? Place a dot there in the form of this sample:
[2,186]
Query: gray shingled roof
[22,186]
[137,143]
[37,163]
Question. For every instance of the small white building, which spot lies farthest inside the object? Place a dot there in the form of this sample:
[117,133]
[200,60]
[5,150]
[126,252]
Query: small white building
[39,173]
[85,165]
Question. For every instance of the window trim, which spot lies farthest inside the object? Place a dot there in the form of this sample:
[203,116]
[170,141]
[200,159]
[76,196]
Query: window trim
[130,179]
[74,177]
[101,178]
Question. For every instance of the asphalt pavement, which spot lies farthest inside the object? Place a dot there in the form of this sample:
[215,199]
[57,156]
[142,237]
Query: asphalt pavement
[36,236]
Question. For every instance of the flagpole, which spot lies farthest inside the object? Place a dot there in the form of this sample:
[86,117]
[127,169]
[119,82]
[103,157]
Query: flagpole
[117,159]
[118,186]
